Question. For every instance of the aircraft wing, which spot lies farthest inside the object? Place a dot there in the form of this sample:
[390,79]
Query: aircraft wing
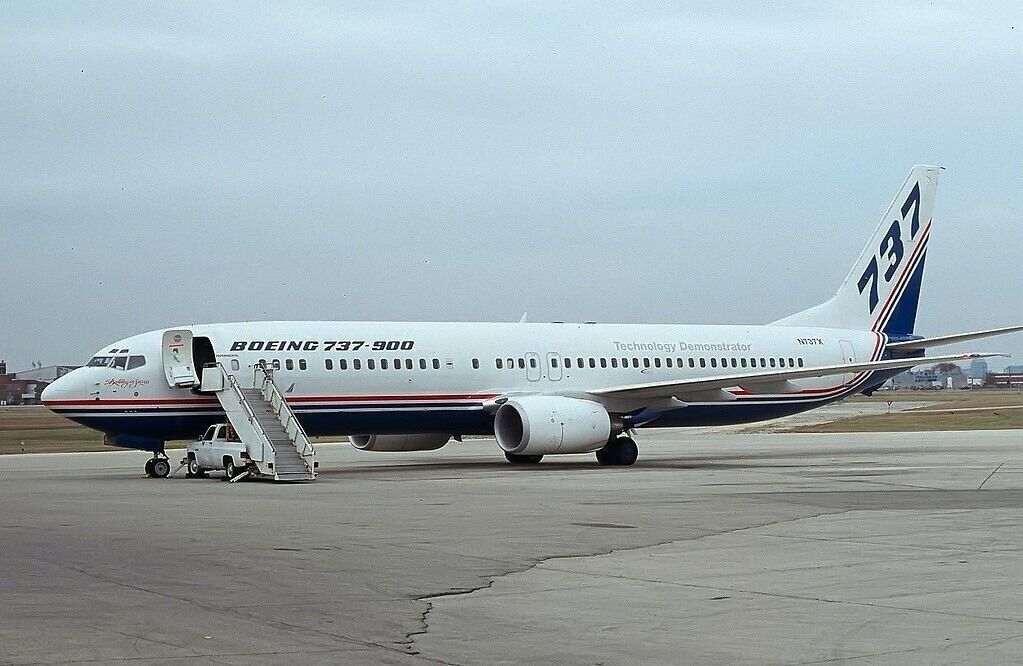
[919,345]
[701,387]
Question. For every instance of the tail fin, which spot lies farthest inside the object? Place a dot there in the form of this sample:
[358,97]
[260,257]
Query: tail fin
[882,291]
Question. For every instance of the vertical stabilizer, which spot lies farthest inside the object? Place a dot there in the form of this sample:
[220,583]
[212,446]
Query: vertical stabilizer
[882,290]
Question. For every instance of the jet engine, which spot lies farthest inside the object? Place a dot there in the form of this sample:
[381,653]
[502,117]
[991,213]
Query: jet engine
[424,442]
[539,425]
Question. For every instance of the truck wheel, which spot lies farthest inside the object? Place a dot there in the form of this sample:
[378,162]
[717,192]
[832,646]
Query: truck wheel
[230,470]
[194,471]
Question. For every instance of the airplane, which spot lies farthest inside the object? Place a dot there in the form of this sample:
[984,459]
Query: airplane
[539,388]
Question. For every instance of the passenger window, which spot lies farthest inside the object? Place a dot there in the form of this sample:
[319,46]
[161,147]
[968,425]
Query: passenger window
[668,361]
[276,364]
[724,363]
[383,364]
[763,362]
[511,364]
[356,364]
[301,364]
[713,362]
[342,364]
[800,362]
[703,362]
[625,361]
[603,362]
[772,362]
[614,361]
[657,361]
[436,364]
[692,362]
[499,363]
[635,361]
[422,363]
[554,362]
[235,365]
[581,364]
[735,363]
[139,361]
[371,364]
[646,362]
[328,364]
[568,362]
[593,362]
[792,362]
[475,364]
[289,364]
[532,362]
[522,364]
[408,364]
[742,361]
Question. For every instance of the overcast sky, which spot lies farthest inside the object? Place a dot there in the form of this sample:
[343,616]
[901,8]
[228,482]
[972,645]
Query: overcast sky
[712,164]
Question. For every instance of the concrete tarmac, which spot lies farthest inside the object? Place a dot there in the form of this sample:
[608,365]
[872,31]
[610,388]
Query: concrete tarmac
[716,547]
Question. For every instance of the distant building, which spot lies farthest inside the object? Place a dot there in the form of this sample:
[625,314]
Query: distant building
[978,369]
[1013,380]
[941,376]
[49,373]
[1013,369]
[15,391]
[26,388]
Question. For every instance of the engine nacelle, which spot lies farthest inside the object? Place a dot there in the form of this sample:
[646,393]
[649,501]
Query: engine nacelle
[540,425]
[424,442]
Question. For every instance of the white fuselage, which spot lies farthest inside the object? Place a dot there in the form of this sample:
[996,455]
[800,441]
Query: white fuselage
[399,377]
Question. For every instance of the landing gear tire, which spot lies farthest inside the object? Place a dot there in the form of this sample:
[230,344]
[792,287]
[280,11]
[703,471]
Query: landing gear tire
[161,468]
[518,459]
[621,451]
[149,467]
[194,471]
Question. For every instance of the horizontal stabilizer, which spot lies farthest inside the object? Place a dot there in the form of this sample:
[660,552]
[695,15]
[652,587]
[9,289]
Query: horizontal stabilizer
[925,343]
[683,389]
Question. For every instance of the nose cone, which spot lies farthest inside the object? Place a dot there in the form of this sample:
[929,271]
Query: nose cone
[61,389]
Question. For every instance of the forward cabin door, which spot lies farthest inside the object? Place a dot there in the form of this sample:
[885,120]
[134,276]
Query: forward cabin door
[178,365]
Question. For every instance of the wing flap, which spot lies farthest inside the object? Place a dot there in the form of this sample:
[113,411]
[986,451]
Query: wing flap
[765,382]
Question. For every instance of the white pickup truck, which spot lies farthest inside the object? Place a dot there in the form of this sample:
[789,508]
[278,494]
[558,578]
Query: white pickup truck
[219,449]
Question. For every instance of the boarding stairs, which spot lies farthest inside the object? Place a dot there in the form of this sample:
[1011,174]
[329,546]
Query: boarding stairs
[264,422]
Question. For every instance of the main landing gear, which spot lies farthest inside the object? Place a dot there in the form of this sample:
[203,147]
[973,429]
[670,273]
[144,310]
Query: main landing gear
[519,459]
[158,467]
[618,451]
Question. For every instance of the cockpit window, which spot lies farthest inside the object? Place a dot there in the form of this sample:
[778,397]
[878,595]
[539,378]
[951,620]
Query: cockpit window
[117,362]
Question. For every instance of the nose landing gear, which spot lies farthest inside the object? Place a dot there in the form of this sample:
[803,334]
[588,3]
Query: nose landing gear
[158,467]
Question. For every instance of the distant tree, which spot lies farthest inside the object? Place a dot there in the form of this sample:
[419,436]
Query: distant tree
[947,368]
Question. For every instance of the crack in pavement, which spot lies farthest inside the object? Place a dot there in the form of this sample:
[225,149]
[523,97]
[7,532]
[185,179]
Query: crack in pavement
[424,624]
[411,637]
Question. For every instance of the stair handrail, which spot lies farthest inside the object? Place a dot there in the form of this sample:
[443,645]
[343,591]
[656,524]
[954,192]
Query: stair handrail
[249,414]
[272,394]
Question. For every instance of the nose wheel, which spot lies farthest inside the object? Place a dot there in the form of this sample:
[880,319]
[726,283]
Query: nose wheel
[158,467]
